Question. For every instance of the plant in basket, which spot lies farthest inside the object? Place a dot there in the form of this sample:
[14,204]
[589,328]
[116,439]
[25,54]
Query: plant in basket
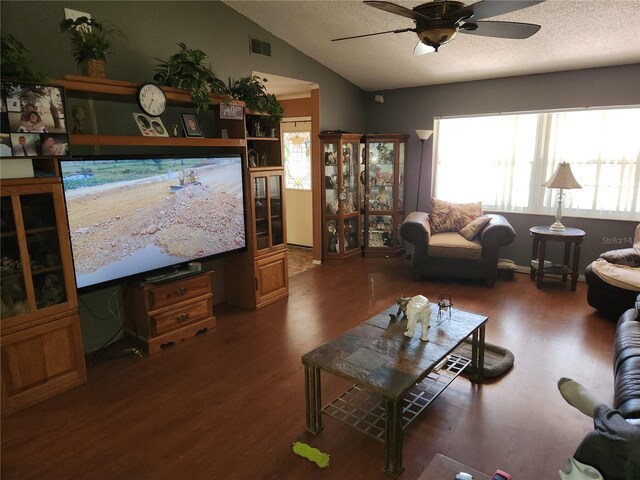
[91,42]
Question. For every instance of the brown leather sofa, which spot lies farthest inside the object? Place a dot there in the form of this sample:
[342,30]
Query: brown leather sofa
[444,255]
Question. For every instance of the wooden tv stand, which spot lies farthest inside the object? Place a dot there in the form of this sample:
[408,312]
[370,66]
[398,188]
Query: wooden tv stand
[162,315]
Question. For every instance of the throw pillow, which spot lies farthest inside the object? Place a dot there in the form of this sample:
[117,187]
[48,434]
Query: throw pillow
[471,229]
[623,256]
[451,217]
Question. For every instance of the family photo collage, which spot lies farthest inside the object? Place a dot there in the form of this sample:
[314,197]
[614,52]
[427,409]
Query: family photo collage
[32,121]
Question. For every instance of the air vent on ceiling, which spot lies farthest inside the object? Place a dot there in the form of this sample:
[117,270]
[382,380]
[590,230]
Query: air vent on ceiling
[260,47]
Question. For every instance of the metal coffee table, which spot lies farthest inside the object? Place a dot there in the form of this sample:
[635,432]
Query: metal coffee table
[395,377]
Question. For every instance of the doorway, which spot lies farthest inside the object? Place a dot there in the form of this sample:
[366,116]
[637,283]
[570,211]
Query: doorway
[296,155]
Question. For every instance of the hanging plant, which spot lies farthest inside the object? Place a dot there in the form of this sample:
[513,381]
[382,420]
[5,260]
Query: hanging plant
[253,93]
[186,70]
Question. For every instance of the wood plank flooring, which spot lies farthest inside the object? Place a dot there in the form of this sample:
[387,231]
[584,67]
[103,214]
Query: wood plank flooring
[228,404]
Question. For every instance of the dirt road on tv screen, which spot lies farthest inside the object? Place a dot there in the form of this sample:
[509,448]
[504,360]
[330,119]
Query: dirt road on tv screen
[113,221]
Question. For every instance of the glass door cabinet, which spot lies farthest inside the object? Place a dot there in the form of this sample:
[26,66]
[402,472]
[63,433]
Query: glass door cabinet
[42,353]
[341,195]
[382,184]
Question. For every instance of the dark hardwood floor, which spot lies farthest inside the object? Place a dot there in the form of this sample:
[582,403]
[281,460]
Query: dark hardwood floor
[228,404]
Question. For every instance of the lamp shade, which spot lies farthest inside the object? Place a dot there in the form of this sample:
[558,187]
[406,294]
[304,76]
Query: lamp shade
[563,178]
[424,134]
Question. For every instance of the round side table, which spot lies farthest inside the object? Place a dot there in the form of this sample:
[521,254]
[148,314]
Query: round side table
[570,236]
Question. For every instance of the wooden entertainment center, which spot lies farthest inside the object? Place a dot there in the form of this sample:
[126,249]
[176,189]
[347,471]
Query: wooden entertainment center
[42,352]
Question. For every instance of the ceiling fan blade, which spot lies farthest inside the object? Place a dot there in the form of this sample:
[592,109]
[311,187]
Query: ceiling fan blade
[514,30]
[399,10]
[401,30]
[422,49]
[492,8]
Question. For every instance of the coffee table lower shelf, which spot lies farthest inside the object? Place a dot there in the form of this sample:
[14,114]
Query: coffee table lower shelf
[364,410]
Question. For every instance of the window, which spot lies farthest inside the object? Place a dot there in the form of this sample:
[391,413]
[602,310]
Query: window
[296,148]
[503,161]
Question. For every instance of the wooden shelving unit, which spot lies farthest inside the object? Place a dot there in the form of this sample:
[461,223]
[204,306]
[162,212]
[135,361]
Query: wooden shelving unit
[42,353]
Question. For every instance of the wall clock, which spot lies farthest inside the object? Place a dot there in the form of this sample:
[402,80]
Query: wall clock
[151,99]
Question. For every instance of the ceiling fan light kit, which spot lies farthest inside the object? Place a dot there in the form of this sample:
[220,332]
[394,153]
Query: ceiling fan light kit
[438,22]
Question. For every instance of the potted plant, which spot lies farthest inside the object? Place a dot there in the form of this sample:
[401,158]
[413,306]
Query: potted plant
[15,61]
[91,43]
[186,70]
[253,93]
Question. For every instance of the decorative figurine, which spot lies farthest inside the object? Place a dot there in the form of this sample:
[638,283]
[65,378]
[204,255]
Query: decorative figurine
[402,306]
[383,198]
[349,205]
[77,112]
[332,207]
[332,238]
[418,310]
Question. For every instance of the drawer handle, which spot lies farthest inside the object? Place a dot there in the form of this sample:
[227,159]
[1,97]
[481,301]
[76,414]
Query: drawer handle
[182,317]
[180,291]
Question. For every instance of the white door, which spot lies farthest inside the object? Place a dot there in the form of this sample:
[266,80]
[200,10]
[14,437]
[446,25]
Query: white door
[296,152]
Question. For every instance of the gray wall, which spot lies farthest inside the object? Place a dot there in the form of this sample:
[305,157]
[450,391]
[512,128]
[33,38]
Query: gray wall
[152,30]
[408,109]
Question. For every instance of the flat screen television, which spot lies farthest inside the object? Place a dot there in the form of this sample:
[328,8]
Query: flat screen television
[136,215]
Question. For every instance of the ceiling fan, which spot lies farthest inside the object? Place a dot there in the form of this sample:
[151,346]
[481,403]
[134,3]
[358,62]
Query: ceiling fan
[439,21]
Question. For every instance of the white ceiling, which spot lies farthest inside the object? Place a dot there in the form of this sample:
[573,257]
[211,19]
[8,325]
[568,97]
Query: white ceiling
[575,34]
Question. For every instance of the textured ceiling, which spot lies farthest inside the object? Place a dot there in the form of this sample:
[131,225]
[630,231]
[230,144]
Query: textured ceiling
[575,34]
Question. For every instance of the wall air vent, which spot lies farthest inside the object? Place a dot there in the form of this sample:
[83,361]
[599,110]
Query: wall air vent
[260,47]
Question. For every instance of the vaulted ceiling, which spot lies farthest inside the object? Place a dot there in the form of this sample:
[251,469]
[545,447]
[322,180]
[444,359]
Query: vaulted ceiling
[575,34]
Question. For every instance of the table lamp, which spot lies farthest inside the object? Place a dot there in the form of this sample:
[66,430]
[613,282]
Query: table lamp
[562,179]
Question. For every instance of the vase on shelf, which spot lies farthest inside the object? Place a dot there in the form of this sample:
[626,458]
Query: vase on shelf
[94,68]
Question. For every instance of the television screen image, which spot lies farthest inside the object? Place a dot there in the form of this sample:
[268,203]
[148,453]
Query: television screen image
[129,216]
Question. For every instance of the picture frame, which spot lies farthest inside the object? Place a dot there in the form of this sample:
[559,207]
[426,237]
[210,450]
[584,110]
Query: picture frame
[150,126]
[229,111]
[191,125]
[33,120]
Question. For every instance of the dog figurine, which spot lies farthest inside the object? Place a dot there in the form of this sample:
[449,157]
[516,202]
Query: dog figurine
[418,310]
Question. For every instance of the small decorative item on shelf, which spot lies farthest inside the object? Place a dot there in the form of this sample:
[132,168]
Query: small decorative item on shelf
[253,158]
[150,127]
[272,132]
[91,43]
[230,111]
[263,160]
[444,304]
[79,116]
[191,125]
[257,130]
